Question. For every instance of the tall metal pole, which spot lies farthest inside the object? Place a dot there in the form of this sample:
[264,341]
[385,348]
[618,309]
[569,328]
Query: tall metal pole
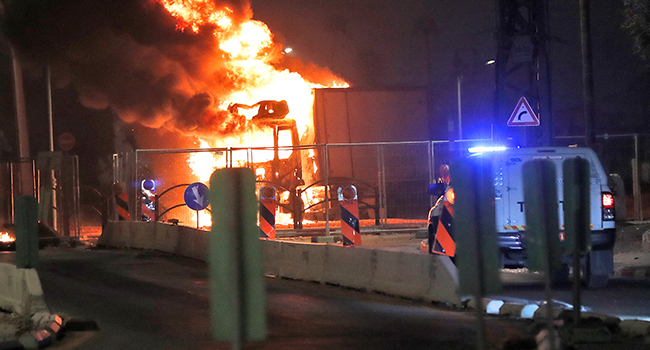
[26,184]
[326,180]
[49,107]
[544,70]
[21,111]
[459,79]
[587,70]
[52,186]
[500,72]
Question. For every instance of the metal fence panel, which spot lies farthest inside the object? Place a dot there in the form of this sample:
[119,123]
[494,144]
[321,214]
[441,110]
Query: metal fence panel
[357,165]
[406,176]
[391,178]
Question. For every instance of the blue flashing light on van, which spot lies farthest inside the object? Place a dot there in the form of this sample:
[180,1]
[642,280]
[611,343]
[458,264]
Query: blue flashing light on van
[484,149]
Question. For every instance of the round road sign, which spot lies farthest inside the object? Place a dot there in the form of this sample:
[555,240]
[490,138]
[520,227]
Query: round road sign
[66,141]
[196,196]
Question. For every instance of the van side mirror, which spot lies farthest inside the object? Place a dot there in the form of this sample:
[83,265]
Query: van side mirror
[437,189]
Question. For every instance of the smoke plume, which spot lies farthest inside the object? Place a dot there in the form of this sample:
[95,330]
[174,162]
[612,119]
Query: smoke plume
[129,56]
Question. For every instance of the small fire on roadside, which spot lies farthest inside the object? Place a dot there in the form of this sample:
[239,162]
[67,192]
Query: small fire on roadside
[5,237]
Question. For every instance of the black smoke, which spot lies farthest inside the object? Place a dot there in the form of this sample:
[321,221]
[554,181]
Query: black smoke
[129,56]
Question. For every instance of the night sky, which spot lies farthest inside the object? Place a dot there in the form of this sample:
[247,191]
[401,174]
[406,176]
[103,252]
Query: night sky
[369,43]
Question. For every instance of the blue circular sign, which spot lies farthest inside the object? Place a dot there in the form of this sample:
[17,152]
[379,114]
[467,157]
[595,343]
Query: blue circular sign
[197,196]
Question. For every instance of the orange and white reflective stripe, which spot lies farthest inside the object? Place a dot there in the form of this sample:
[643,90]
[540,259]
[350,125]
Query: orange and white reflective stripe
[444,242]
[122,207]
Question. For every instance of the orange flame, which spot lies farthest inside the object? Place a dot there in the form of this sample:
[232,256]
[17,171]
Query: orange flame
[6,238]
[248,52]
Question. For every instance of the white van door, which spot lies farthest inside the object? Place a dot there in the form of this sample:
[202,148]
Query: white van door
[515,219]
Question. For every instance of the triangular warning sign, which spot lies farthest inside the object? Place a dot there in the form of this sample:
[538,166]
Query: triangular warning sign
[523,115]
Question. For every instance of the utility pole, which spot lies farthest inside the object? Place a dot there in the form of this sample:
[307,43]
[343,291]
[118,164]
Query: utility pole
[522,69]
[26,184]
[587,73]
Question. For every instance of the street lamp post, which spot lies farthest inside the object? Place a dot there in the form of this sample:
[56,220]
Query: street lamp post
[459,79]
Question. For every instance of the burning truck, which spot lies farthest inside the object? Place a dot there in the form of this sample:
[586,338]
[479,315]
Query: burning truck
[295,165]
[206,70]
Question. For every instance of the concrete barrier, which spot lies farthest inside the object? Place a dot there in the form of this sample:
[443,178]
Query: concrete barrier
[113,234]
[301,261]
[348,266]
[415,276]
[20,290]
[272,257]
[167,237]
[140,236]
[192,243]
[412,275]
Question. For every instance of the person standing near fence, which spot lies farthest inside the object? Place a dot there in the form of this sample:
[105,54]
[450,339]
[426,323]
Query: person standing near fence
[438,191]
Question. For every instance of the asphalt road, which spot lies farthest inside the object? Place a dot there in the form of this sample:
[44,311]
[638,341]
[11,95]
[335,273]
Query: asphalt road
[149,300]
[623,297]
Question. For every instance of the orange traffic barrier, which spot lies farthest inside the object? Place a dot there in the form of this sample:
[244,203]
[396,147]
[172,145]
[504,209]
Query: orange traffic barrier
[444,242]
[349,204]
[268,208]
[147,203]
[121,202]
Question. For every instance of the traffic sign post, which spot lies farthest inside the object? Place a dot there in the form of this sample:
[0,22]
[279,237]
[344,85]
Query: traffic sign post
[27,233]
[238,306]
[523,114]
[197,197]
[577,219]
[542,218]
[542,227]
[475,220]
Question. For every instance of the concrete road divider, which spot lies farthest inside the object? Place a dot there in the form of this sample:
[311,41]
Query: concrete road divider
[348,266]
[116,235]
[181,240]
[302,261]
[167,237]
[20,290]
[192,243]
[272,257]
[21,293]
[413,275]
[426,276]
[142,238]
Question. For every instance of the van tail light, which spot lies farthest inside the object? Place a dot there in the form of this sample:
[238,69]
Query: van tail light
[608,206]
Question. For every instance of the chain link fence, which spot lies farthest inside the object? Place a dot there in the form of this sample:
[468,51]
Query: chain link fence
[391,179]
[626,157]
[54,180]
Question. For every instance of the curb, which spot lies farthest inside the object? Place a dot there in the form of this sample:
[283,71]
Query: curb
[628,327]
[48,328]
[636,272]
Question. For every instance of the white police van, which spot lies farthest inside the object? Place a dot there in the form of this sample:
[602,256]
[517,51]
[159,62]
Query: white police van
[510,209]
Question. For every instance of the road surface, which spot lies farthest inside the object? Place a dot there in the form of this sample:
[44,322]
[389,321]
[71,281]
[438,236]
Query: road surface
[150,300]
